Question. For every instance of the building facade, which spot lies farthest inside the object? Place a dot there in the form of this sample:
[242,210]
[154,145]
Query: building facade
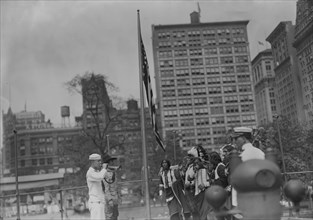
[264,86]
[40,148]
[203,79]
[288,92]
[304,46]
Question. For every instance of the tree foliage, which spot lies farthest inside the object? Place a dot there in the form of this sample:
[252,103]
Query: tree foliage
[292,142]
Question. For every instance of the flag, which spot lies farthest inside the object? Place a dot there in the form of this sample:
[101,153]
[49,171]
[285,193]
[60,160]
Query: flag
[261,43]
[147,82]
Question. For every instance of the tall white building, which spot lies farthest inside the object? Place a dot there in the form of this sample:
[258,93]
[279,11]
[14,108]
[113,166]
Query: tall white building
[264,86]
[203,79]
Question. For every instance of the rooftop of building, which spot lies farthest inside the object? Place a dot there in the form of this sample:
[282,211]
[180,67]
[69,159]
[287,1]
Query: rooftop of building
[279,28]
[267,52]
[192,25]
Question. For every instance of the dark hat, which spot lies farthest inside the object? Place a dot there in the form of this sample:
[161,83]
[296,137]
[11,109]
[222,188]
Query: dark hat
[107,158]
[241,131]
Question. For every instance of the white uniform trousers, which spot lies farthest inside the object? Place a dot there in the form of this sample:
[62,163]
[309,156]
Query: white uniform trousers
[96,210]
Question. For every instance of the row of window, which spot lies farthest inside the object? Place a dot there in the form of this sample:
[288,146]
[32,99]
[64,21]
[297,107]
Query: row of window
[205,32]
[206,121]
[203,81]
[205,101]
[165,73]
[200,51]
[206,91]
[37,162]
[200,61]
[216,110]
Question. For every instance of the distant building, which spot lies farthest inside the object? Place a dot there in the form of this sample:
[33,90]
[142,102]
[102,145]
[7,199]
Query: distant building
[203,79]
[125,140]
[96,102]
[39,146]
[288,92]
[264,86]
[304,46]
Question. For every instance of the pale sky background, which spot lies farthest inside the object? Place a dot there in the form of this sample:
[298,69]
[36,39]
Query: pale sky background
[46,43]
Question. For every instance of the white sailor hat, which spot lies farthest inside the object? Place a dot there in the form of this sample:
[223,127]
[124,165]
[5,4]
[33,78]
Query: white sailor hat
[94,157]
[239,131]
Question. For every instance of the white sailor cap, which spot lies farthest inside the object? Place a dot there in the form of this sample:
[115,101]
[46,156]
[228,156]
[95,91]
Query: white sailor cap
[239,131]
[94,157]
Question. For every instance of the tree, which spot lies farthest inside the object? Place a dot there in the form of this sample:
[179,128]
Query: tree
[98,115]
[296,144]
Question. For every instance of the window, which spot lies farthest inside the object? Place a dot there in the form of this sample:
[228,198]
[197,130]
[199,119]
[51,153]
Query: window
[203,131]
[169,103]
[165,44]
[218,120]
[49,161]
[246,98]
[167,73]
[248,118]
[166,63]
[197,71]
[165,54]
[233,119]
[183,62]
[168,93]
[186,122]
[245,88]
[240,49]
[242,59]
[226,60]
[200,101]
[22,150]
[34,162]
[196,61]
[243,78]
[215,90]
[179,43]
[199,91]
[225,50]
[22,163]
[171,123]
[232,109]
[183,82]
[214,80]
[211,61]
[167,83]
[231,99]
[178,34]
[216,100]
[188,132]
[201,111]
[242,69]
[170,113]
[219,130]
[182,72]
[185,102]
[185,112]
[198,81]
[180,53]
[212,70]
[195,52]
[184,92]
[217,110]
[202,121]
[229,79]
[247,108]
[42,161]
[230,89]
[210,51]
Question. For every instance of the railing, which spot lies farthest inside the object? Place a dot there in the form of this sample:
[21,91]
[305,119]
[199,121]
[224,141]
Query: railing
[63,199]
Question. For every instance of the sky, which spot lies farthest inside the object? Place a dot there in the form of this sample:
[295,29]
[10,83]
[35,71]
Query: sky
[44,44]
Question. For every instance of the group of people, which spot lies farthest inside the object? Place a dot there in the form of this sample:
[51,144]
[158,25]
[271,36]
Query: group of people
[184,184]
[103,192]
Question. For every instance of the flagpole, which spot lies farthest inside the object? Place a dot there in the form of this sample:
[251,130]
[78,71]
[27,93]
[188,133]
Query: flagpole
[143,133]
